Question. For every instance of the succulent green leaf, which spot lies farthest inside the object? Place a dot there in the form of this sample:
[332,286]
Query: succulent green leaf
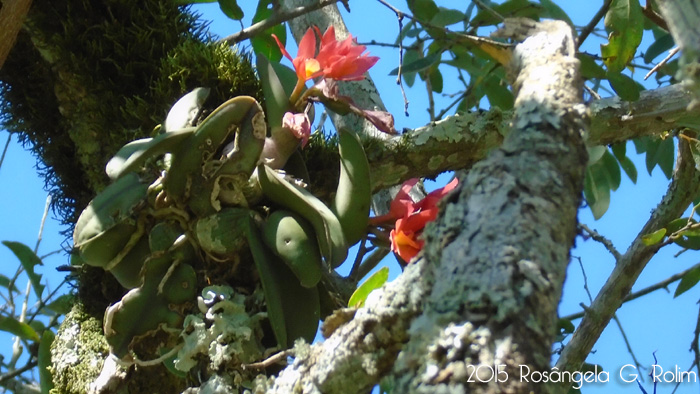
[688,281]
[231,9]
[277,87]
[29,260]
[377,280]
[654,238]
[15,327]
[44,361]
[624,23]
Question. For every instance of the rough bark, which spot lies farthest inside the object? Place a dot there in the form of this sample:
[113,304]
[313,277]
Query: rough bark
[486,290]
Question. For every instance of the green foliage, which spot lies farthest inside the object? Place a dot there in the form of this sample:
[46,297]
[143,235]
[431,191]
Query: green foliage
[263,43]
[688,281]
[624,22]
[375,281]
[28,259]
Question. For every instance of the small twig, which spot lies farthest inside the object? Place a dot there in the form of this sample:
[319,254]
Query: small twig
[277,18]
[431,98]
[654,16]
[14,373]
[586,31]
[627,343]
[274,359]
[358,259]
[489,10]
[399,16]
[4,151]
[660,285]
[663,62]
[370,263]
[599,238]
[585,279]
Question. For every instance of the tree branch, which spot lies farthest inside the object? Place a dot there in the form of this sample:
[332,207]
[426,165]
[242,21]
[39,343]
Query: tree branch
[683,188]
[277,18]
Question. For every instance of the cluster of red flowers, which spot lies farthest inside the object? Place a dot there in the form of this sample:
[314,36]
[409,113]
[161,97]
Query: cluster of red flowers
[411,217]
[342,61]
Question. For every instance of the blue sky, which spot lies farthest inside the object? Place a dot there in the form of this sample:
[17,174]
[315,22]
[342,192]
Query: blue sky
[656,322]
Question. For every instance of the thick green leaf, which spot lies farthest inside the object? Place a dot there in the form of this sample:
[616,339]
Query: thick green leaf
[418,65]
[231,9]
[263,42]
[377,280]
[624,86]
[654,238]
[446,17]
[15,327]
[44,361]
[688,281]
[619,150]
[661,45]
[595,153]
[624,23]
[274,89]
[29,260]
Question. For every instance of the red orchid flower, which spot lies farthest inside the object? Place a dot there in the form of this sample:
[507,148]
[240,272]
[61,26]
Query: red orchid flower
[305,65]
[343,61]
[411,218]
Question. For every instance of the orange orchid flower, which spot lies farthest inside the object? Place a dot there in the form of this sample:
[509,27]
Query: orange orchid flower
[342,61]
[411,218]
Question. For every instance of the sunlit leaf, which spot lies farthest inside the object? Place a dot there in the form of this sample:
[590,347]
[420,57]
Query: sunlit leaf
[624,23]
[29,260]
[654,238]
[377,280]
[15,327]
[62,304]
[688,281]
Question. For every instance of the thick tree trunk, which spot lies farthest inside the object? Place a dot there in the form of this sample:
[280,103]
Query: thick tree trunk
[485,293]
